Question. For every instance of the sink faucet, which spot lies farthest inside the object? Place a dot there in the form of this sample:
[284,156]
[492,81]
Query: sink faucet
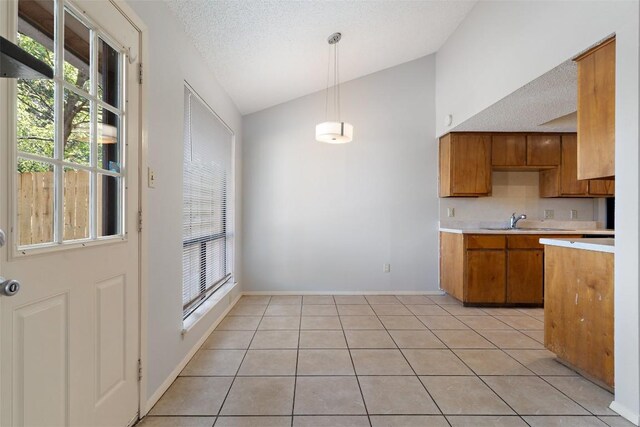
[513,221]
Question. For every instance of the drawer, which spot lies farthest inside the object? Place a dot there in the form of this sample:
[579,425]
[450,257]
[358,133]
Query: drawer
[532,241]
[485,241]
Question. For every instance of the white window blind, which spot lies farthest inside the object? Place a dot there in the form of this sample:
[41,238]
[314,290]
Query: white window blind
[207,242]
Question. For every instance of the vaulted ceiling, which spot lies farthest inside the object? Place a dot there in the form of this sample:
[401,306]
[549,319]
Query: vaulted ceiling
[268,52]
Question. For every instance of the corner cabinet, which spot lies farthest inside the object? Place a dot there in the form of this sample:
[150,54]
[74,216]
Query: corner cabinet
[563,181]
[596,111]
[465,165]
[493,269]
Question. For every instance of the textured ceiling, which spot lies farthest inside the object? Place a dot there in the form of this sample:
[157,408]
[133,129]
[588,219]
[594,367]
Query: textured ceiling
[268,52]
[544,105]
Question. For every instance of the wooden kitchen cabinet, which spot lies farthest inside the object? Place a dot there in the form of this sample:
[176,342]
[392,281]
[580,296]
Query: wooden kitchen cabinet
[525,151]
[485,276]
[579,310]
[602,187]
[465,165]
[543,150]
[563,181]
[525,256]
[596,111]
[493,269]
[508,150]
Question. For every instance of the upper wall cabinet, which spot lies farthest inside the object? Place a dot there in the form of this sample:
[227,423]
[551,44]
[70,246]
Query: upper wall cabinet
[596,111]
[528,152]
[563,181]
[465,165]
[508,150]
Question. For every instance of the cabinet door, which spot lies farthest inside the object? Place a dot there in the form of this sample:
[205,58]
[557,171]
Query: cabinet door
[569,183]
[485,276]
[508,150]
[471,164]
[543,150]
[596,111]
[524,276]
[602,187]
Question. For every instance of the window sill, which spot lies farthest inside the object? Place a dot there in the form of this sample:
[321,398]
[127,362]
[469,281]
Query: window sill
[207,306]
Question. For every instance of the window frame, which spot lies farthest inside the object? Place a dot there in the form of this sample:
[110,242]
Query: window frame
[229,222]
[58,162]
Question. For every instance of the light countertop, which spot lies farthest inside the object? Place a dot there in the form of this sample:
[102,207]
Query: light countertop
[595,244]
[554,231]
[553,227]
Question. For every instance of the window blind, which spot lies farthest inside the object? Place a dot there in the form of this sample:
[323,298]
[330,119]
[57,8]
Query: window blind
[207,243]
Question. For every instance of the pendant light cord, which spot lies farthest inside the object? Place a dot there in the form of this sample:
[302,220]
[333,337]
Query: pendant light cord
[336,83]
[326,101]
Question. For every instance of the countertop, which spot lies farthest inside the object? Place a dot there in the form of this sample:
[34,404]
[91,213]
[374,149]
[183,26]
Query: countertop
[597,232]
[598,245]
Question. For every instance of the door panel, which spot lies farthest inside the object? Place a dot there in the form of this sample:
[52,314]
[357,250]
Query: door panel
[69,339]
[41,329]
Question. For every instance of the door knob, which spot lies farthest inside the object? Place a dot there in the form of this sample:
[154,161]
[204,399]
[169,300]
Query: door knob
[9,287]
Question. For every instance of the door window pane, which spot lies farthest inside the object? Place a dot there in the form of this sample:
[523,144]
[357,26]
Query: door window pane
[35,98]
[108,205]
[35,197]
[76,128]
[77,52]
[108,74]
[76,204]
[108,140]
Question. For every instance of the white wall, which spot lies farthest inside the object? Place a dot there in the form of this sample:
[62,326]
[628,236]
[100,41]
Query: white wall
[321,217]
[517,192]
[171,60]
[500,47]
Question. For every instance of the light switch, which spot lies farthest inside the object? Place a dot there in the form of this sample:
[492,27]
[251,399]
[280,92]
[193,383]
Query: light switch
[451,212]
[151,175]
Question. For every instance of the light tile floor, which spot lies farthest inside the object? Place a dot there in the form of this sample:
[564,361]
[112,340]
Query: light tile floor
[409,360]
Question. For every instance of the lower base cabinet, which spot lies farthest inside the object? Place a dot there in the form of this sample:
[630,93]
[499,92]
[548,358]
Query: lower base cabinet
[525,268]
[485,276]
[493,269]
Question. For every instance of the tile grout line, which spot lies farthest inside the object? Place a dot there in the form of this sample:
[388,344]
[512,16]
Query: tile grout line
[407,361]
[295,377]
[241,362]
[353,365]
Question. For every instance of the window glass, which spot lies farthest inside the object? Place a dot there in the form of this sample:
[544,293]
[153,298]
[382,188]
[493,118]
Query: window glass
[35,207]
[76,128]
[76,204]
[77,52]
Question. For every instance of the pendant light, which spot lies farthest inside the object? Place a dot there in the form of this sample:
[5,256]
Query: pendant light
[334,132]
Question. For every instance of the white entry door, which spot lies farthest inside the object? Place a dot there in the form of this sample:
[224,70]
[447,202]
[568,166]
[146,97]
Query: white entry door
[69,338]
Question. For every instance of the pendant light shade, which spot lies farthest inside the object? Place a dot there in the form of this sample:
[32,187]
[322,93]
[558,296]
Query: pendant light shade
[334,131]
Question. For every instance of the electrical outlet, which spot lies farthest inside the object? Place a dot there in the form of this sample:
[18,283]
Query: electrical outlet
[151,178]
[573,214]
[386,268]
[548,214]
[451,212]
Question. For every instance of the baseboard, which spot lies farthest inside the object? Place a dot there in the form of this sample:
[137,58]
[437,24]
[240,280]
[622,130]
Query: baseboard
[343,293]
[174,374]
[624,412]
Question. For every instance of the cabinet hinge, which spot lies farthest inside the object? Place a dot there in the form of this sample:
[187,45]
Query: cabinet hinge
[139,369]
[139,220]
[140,72]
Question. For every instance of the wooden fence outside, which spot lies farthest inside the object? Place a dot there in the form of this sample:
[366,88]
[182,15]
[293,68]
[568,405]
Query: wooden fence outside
[36,206]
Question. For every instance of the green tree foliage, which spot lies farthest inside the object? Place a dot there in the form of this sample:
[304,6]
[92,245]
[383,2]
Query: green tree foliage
[35,130]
